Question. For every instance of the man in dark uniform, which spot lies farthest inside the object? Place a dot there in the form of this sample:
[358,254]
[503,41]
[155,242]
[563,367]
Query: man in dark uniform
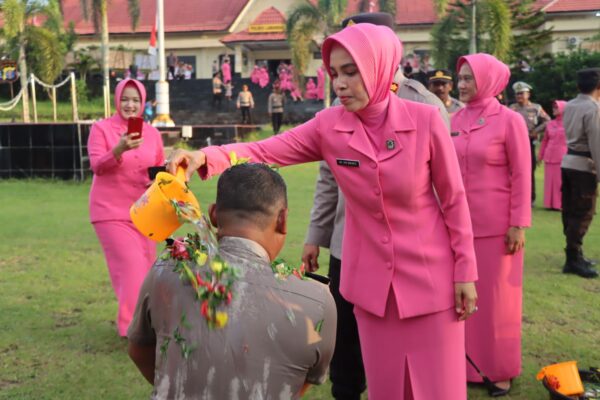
[535,118]
[326,230]
[581,120]
[441,84]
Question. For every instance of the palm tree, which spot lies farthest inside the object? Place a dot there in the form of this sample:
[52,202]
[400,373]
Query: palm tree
[42,46]
[489,23]
[305,22]
[99,13]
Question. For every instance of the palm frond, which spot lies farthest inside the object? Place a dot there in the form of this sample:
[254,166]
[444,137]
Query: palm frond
[14,14]
[497,24]
[133,6]
[304,12]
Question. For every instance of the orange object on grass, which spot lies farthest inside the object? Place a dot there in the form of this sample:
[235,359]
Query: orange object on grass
[153,214]
[564,377]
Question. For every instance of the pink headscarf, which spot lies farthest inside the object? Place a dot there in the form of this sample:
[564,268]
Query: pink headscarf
[377,52]
[491,75]
[561,106]
[119,91]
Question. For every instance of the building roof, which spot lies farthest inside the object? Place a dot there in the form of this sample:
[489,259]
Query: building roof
[271,17]
[559,6]
[180,15]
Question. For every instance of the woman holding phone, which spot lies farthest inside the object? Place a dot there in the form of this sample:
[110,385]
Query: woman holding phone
[121,149]
[409,262]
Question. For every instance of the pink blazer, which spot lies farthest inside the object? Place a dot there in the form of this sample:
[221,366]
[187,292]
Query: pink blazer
[398,233]
[119,183]
[495,160]
[554,143]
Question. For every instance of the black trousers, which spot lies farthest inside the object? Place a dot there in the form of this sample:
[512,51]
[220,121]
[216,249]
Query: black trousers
[346,370]
[217,99]
[533,167]
[276,118]
[246,117]
[579,193]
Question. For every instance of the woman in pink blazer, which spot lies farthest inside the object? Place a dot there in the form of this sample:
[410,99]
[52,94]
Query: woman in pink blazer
[552,150]
[120,165]
[409,262]
[493,151]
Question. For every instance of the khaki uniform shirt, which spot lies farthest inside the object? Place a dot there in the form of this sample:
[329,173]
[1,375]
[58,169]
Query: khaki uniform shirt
[276,102]
[453,105]
[280,334]
[326,228]
[581,120]
[534,115]
[245,99]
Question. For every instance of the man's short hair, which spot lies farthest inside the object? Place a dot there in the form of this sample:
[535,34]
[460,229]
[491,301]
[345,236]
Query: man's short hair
[251,191]
[588,79]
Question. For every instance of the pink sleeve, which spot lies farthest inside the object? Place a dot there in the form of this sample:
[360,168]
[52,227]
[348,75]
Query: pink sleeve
[160,151]
[296,146]
[519,160]
[101,156]
[448,184]
[544,142]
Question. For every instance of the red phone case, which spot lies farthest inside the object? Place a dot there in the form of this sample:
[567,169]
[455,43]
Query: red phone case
[135,124]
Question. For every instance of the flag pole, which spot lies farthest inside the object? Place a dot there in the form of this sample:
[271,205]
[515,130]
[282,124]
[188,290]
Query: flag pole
[162,86]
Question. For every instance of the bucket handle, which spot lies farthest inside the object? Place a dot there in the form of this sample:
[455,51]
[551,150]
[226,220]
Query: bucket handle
[180,174]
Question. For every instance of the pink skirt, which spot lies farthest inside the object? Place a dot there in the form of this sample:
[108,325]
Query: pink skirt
[129,255]
[493,334]
[552,185]
[418,358]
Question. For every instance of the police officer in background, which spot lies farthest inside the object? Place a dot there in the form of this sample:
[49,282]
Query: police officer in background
[579,167]
[535,118]
[326,230]
[441,84]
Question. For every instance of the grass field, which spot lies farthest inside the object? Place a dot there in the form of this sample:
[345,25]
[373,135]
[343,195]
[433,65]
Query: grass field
[87,110]
[58,338]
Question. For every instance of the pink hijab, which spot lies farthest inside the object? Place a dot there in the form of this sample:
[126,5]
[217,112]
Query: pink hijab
[561,106]
[377,52]
[491,77]
[119,91]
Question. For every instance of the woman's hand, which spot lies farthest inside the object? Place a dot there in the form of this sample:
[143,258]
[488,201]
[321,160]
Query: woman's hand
[465,299]
[515,239]
[126,143]
[191,160]
[310,257]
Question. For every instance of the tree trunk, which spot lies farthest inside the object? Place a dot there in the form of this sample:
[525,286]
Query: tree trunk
[23,78]
[105,51]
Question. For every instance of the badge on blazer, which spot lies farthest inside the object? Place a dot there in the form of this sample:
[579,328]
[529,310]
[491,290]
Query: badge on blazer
[453,134]
[347,163]
[390,144]
[481,121]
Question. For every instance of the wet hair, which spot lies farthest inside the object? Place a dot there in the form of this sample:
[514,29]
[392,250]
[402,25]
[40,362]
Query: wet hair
[588,80]
[251,192]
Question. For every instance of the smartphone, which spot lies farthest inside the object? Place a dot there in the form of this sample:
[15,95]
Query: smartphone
[135,124]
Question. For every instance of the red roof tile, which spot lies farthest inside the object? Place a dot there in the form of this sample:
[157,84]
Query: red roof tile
[271,16]
[180,15]
[410,12]
[572,6]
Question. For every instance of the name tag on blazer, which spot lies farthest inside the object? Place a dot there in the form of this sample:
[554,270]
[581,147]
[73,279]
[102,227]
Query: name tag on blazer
[347,163]
[453,134]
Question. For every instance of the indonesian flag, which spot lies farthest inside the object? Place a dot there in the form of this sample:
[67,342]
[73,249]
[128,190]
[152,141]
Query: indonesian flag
[152,45]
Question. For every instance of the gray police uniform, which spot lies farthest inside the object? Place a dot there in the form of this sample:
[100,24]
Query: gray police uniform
[536,118]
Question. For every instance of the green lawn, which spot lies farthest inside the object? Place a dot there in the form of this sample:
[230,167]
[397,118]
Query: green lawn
[58,338]
[92,109]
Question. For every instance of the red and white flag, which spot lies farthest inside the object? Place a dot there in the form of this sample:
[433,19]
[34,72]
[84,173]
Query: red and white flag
[152,45]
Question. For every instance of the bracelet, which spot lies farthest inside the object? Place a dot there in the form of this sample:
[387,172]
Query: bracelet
[519,227]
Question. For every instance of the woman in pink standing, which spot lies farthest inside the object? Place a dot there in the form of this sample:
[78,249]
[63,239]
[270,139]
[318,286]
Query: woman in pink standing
[409,262]
[493,151]
[120,165]
[552,150]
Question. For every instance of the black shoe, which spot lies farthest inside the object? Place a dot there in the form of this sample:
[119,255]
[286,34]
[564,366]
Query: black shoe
[579,268]
[495,391]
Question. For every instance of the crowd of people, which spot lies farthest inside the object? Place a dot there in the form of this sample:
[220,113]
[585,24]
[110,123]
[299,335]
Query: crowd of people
[422,199]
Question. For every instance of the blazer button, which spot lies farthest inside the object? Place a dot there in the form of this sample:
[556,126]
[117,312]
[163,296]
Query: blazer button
[388,265]
[379,215]
[385,239]
[373,164]
[377,191]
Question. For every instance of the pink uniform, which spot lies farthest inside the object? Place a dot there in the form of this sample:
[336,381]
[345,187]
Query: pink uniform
[492,145]
[116,185]
[404,247]
[226,71]
[552,150]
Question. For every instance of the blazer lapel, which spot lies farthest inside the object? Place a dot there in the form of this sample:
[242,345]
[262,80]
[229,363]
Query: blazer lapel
[399,123]
[359,140]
